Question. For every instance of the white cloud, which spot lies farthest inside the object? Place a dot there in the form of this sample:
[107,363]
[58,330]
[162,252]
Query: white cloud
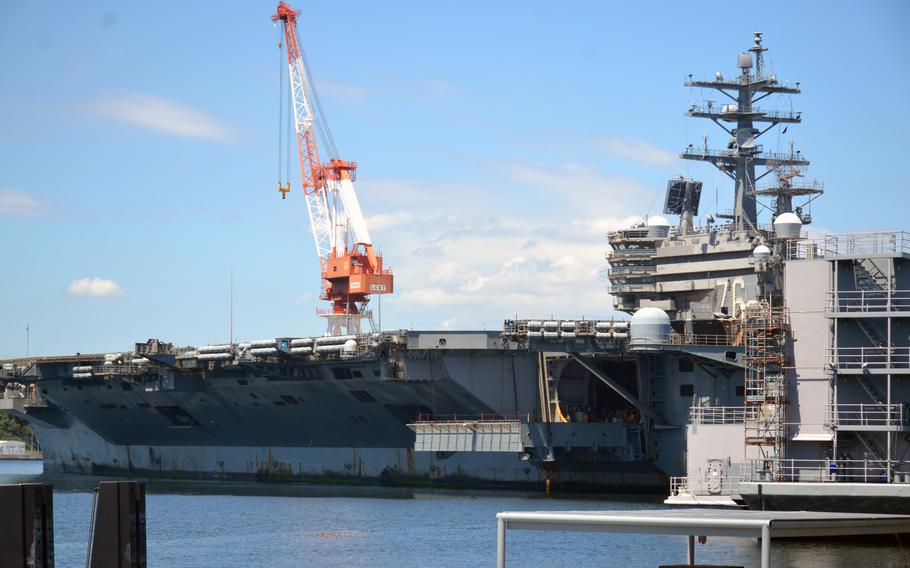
[584,187]
[635,150]
[385,220]
[599,227]
[514,266]
[95,287]
[527,239]
[157,113]
[18,204]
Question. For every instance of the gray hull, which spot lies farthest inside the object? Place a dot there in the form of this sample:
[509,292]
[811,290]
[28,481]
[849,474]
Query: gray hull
[318,427]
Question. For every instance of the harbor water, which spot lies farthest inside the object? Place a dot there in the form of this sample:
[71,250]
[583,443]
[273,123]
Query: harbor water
[208,524]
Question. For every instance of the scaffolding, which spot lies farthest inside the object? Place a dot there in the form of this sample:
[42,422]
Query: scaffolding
[765,339]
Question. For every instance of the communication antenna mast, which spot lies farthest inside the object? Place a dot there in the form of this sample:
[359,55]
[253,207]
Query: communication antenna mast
[739,119]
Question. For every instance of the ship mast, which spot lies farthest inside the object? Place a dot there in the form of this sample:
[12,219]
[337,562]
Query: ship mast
[739,119]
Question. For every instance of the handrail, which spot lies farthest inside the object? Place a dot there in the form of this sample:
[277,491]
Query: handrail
[863,414]
[759,155]
[826,470]
[850,244]
[724,109]
[706,339]
[642,252]
[719,414]
[521,417]
[852,301]
[632,269]
[869,357]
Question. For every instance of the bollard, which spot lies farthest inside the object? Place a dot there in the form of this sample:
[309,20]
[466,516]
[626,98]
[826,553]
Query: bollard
[118,526]
[27,525]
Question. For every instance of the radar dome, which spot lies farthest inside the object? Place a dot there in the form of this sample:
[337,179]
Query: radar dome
[658,226]
[350,346]
[761,253]
[787,226]
[650,325]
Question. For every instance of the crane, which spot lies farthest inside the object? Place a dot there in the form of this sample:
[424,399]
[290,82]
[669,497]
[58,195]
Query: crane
[352,270]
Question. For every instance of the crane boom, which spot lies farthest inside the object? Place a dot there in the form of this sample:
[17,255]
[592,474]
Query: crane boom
[351,269]
[313,181]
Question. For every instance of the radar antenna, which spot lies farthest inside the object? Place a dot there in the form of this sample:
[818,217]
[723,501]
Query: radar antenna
[739,120]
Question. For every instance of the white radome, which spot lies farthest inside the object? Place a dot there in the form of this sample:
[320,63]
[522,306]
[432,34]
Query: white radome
[650,325]
[787,226]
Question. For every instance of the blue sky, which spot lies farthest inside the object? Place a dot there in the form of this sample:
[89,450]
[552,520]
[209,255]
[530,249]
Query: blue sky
[497,144]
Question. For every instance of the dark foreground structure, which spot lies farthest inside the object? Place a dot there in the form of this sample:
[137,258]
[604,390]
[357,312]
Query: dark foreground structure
[117,538]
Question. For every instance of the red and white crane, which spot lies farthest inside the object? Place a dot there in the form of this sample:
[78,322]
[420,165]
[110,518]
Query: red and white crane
[352,271]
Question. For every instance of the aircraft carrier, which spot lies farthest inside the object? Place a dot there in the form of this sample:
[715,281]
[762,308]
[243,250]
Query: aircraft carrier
[759,366]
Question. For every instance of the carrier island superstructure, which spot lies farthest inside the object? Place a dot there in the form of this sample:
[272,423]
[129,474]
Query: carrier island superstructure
[758,365]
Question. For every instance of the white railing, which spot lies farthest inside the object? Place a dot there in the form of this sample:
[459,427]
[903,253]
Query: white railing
[679,485]
[868,415]
[623,288]
[709,485]
[869,357]
[851,301]
[620,254]
[707,339]
[717,414]
[632,269]
[825,471]
[850,244]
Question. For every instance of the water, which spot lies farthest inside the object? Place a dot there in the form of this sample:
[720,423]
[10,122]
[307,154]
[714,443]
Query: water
[20,467]
[207,524]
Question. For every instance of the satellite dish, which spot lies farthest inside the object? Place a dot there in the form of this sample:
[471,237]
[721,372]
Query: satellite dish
[719,76]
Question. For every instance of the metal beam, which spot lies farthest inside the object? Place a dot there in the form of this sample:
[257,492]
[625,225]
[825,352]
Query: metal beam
[620,390]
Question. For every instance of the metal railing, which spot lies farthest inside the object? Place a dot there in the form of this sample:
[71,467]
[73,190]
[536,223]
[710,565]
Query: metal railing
[862,301]
[825,471]
[629,234]
[741,79]
[632,269]
[491,417]
[679,485]
[727,485]
[772,188]
[631,253]
[323,312]
[850,244]
[868,415]
[869,357]
[758,155]
[707,339]
[727,109]
[624,288]
[719,414]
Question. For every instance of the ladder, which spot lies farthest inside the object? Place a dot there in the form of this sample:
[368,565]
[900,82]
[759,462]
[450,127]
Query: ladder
[873,446]
[868,277]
